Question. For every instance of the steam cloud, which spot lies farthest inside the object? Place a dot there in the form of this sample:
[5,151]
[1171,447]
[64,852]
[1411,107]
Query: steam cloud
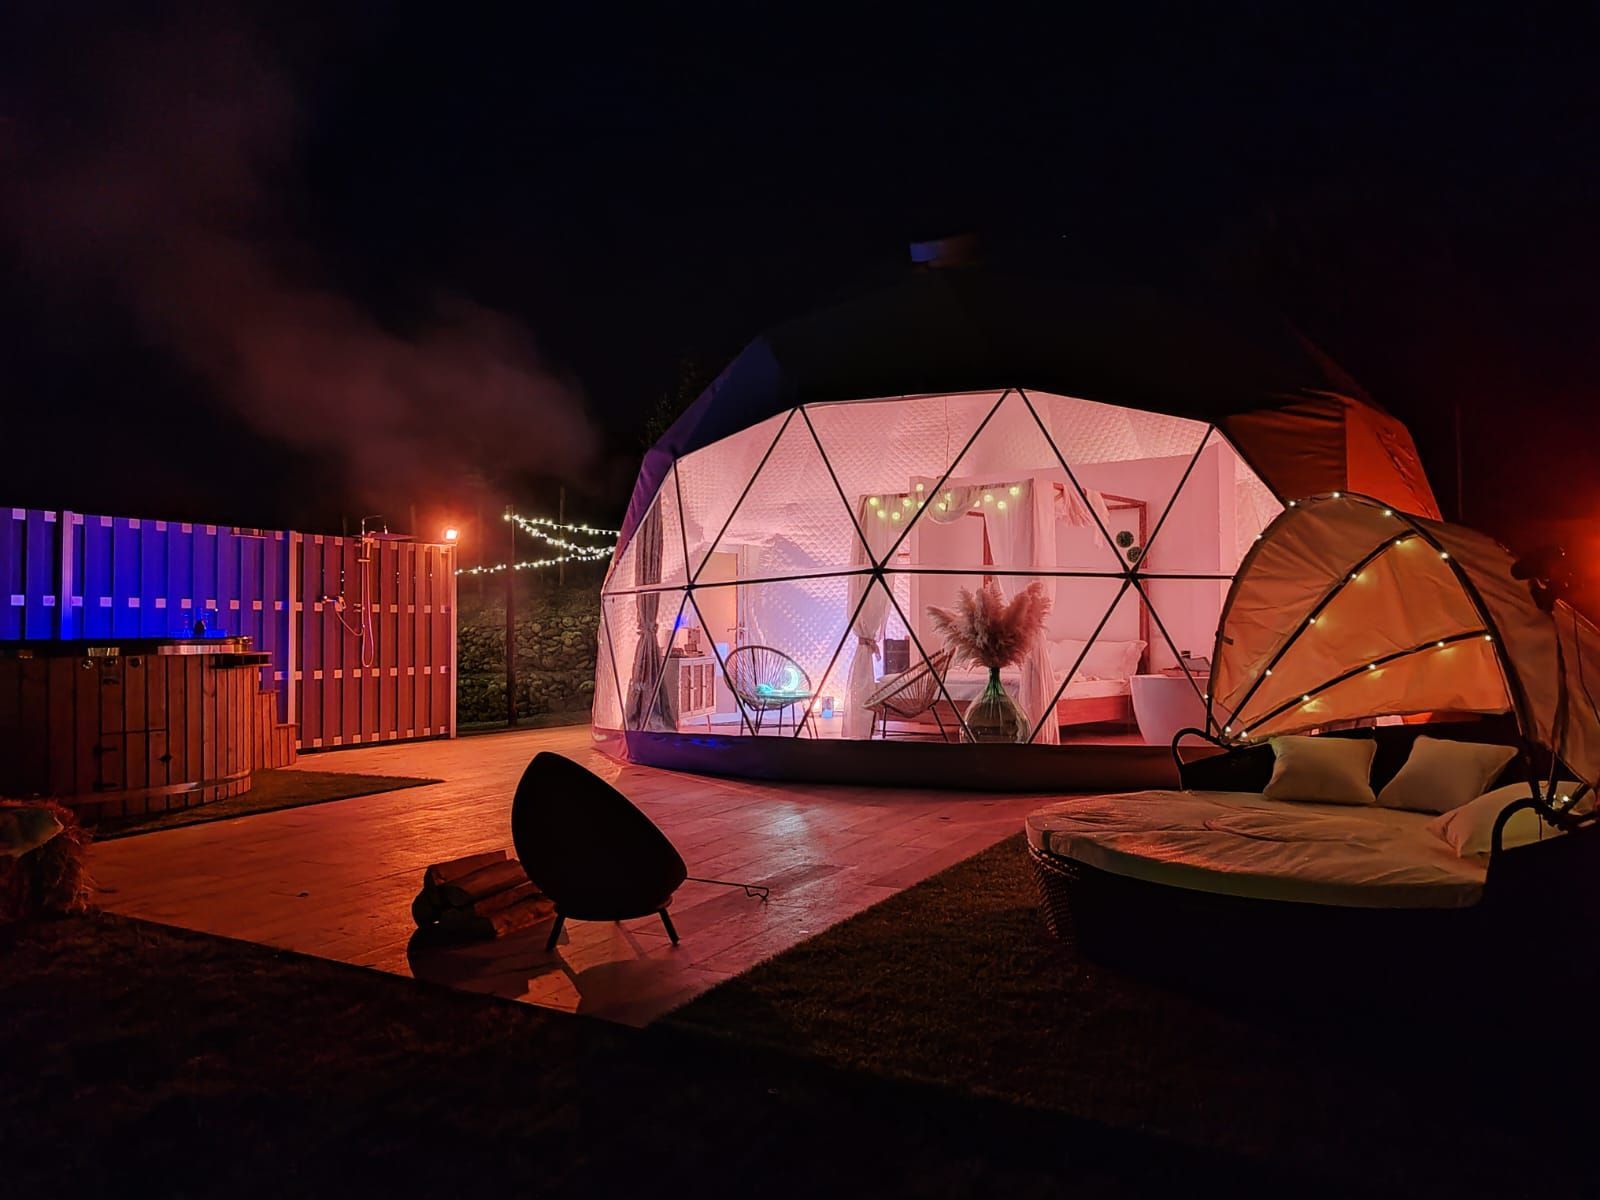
[171,192]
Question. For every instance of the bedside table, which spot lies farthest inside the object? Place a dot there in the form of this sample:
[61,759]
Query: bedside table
[694,685]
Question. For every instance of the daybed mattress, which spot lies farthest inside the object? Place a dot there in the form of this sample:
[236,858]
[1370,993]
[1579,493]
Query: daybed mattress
[1243,844]
[964,684]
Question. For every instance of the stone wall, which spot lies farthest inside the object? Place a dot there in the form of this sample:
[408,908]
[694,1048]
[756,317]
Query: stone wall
[555,644]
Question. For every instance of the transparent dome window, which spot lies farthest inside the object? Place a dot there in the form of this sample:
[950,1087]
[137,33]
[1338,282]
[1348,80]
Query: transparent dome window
[783,580]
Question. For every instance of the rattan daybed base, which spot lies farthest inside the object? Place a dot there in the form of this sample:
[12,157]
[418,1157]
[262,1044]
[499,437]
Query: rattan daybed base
[1534,904]
[1169,930]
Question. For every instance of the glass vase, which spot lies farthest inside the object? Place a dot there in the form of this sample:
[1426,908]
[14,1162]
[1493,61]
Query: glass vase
[995,716]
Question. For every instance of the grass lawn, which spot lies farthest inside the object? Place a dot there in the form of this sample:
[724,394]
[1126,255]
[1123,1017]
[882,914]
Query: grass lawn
[936,1045]
[137,1059]
[955,983]
[269,790]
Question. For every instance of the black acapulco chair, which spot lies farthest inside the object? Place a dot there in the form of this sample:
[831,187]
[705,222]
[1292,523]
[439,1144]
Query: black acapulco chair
[907,695]
[586,847]
[769,681]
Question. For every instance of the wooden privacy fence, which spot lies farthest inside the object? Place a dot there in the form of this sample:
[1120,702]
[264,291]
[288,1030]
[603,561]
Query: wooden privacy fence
[382,664]
[361,631]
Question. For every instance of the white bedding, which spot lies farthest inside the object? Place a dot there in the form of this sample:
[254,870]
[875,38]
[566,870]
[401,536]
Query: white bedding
[1243,844]
[966,683]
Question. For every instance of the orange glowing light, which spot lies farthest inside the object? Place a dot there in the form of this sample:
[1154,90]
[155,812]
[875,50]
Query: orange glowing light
[451,534]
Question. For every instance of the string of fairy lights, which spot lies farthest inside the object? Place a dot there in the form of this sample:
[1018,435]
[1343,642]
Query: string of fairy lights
[549,531]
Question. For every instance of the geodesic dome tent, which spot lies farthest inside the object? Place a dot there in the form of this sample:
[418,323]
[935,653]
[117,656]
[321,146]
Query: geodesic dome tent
[853,468]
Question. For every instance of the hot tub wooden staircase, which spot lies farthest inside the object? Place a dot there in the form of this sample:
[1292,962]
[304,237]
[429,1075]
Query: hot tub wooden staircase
[272,742]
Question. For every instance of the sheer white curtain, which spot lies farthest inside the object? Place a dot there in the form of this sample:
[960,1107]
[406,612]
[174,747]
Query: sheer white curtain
[1022,537]
[869,619]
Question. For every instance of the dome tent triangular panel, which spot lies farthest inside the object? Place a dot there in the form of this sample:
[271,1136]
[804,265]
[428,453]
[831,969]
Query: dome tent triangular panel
[660,560]
[882,449]
[790,520]
[711,480]
[890,447]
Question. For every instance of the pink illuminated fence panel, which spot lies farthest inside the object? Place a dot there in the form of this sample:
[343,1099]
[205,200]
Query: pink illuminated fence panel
[380,665]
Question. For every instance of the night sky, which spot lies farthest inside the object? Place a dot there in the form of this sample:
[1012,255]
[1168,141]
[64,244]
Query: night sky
[504,239]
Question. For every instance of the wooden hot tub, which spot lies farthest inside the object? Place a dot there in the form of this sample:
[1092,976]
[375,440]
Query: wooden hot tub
[130,726]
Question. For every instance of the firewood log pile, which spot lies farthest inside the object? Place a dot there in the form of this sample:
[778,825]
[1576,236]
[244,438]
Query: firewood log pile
[42,849]
[479,897]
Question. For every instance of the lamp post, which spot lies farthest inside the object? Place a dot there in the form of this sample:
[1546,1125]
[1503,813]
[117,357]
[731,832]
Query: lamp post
[511,622]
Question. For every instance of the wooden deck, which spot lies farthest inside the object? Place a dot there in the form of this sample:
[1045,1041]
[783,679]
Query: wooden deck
[336,880]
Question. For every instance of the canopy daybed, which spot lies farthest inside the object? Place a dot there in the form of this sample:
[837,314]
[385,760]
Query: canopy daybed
[1352,621]
[857,467]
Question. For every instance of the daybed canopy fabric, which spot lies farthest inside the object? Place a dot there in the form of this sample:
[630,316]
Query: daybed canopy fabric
[1297,419]
[1347,608]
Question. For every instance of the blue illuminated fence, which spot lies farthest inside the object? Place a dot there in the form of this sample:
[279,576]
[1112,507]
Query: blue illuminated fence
[29,568]
[340,680]
[126,577]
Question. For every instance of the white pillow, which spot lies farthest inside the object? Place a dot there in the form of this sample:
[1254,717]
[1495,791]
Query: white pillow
[1111,660]
[1322,770]
[1063,653]
[1440,775]
[1469,830]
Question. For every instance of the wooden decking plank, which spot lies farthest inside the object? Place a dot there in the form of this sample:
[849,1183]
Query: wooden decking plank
[336,880]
